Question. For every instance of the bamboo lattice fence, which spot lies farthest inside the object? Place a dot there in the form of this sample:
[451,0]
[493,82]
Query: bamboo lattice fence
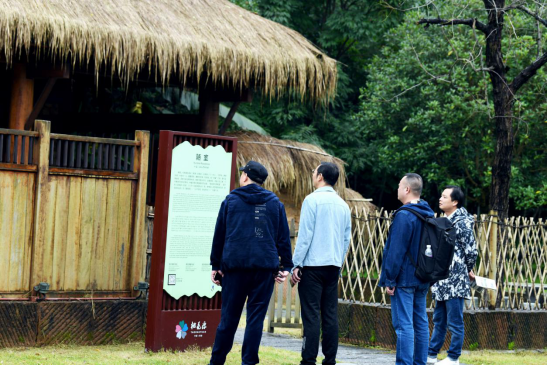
[520,268]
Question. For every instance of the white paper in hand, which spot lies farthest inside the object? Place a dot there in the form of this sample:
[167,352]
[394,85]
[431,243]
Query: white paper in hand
[486,283]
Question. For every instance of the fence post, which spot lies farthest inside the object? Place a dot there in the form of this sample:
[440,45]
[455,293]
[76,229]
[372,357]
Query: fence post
[493,257]
[41,159]
[292,235]
[271,311]
[140,165]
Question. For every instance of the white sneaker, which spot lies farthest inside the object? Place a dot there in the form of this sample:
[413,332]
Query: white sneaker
[431,360]
[448,361]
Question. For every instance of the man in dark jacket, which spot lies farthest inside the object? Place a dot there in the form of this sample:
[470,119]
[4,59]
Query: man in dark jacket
[251,236]
[408,301]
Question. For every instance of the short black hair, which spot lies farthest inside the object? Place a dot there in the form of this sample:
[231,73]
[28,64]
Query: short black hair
[415,183]
[456,194]
[329,171]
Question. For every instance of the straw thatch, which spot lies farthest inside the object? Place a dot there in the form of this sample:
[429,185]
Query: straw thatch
[356,200]
[187,38]
[290,166]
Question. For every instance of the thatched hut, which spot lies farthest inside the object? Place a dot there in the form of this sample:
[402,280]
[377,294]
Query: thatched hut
[290,166]
[80,222]
[212,46]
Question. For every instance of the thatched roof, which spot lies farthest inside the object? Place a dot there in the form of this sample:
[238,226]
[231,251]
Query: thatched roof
[356,201]
[187,38]
[290,166]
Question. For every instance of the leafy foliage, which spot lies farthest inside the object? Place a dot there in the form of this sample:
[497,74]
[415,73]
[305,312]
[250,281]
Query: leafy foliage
[410,100]
[425,109]
[349,31]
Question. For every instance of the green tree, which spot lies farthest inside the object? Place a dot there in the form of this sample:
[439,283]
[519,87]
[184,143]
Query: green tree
[351,31]
[498,31]
[424,108]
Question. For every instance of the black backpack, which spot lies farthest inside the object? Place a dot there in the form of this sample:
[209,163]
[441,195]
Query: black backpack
[440,234]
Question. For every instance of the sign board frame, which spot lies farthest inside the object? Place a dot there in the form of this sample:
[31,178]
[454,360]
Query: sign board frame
[164,312]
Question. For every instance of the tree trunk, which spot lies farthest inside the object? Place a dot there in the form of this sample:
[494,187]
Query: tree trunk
[501,169]
[503,100]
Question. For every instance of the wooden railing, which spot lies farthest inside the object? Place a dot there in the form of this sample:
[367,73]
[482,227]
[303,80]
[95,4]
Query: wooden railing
[91,153]
[284,309]
[17,149]
[520,268]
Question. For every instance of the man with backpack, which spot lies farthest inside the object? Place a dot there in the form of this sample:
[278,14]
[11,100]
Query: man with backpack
[450,293]
[408,293]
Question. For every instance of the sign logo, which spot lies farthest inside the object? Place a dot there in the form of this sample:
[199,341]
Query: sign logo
[181,329]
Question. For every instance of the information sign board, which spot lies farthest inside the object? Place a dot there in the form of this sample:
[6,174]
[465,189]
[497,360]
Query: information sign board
[195,173]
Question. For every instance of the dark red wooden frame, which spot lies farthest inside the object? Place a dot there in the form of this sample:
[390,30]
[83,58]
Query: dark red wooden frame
[164,312]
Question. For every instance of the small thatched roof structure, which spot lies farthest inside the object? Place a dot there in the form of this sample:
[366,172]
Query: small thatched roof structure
[356,201]
[187,38]
[290,166]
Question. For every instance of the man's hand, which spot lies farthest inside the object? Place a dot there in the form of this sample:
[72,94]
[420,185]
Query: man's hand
[471,275]
[295,277]
[390,291]
[216,282]
[282,275]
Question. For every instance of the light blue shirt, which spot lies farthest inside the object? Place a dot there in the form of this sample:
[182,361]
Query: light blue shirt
[324,230]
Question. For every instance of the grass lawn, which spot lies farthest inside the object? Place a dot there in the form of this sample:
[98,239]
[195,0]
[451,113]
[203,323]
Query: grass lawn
[132,353]
[486,357]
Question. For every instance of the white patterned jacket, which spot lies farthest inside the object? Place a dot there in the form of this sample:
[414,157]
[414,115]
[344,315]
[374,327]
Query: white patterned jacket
[457,285]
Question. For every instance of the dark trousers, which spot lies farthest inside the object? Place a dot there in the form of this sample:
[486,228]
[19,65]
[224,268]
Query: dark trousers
[318,293]
[256,287]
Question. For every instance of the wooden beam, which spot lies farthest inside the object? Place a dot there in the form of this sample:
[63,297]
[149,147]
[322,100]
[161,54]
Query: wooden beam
[22,97]
[41,154]
[139,244]
[229,117]
[224,95]
[45,70]
[40,103]
[209,115]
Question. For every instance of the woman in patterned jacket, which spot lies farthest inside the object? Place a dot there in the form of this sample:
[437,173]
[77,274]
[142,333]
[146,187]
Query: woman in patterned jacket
[450,293]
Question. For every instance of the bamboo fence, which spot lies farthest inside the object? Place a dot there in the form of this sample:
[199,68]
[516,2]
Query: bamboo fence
[520,268]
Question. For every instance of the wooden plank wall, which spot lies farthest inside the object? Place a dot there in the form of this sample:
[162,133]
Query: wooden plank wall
[81,231]
[16,213]
[87,239]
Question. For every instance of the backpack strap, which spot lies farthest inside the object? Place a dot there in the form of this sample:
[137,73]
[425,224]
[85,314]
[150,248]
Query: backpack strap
[417,214]
[421,218]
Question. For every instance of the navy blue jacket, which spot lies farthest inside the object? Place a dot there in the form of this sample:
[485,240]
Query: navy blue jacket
[251,232]
[405,235]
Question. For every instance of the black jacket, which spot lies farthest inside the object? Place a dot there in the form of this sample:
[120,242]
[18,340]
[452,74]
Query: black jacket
[251,232]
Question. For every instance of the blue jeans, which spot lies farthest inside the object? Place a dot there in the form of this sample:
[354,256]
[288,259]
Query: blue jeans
[448,313]
[411,324]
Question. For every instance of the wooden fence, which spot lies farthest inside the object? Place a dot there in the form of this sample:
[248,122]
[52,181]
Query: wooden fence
[284,308]
[520,270]
[73,213]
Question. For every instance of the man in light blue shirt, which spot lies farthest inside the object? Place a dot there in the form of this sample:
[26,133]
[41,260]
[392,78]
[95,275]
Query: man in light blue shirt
[324,236]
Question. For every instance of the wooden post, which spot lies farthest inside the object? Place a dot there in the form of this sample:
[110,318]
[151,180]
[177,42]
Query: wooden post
[270,328]
[493,257]
[209,115]
[292,235]
[22,97]
[41,154]
[140,165]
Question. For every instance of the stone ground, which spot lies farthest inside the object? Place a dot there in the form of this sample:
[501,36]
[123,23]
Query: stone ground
[346,354]
[350,355]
